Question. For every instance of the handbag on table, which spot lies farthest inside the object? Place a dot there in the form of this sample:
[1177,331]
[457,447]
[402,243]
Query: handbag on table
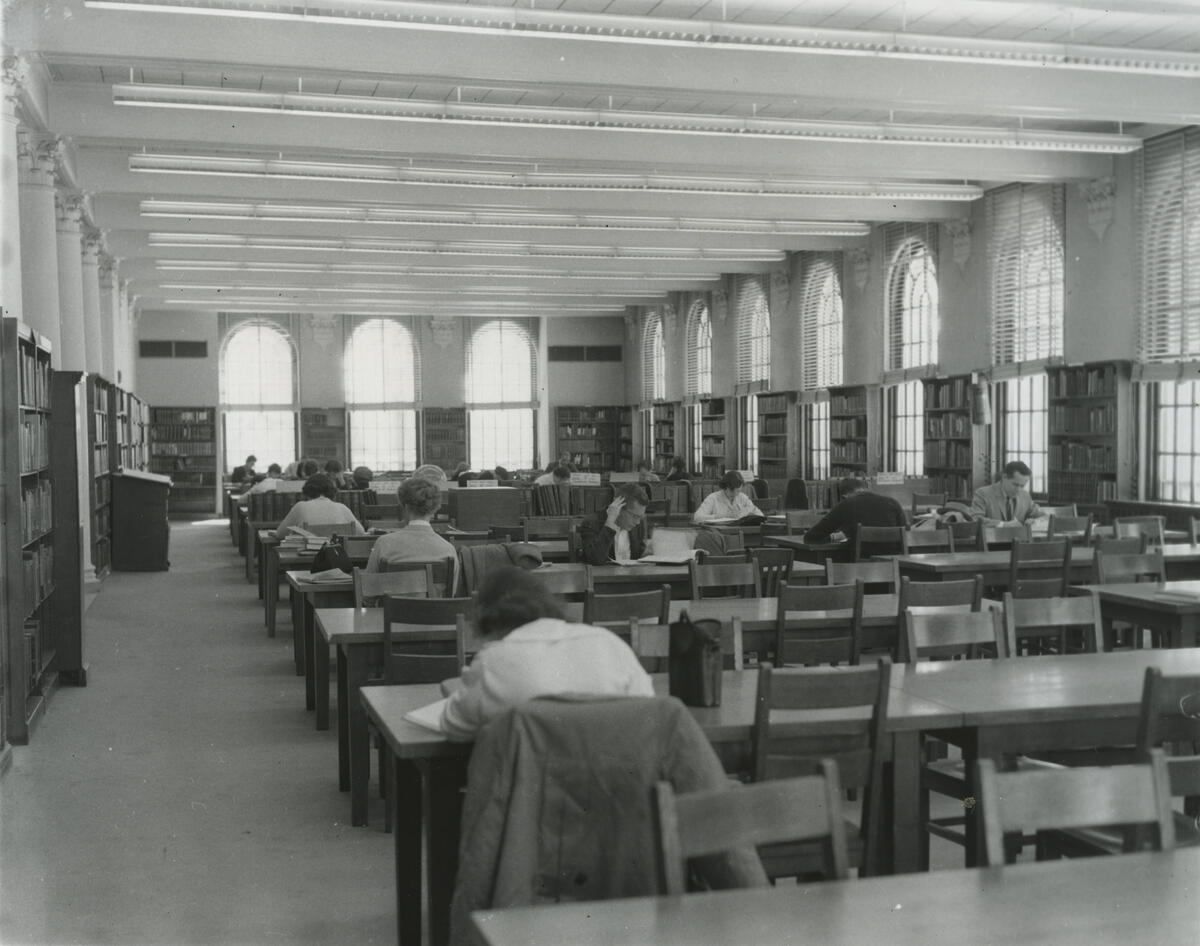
[694,661]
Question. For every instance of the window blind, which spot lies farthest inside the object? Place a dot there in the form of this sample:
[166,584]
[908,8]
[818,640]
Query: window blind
[912,294]
[1169,223]
[653,358]
[1025,235]
[753,331]
[698,379]
[258,364]
[502,362]
[382,363]
[821,321]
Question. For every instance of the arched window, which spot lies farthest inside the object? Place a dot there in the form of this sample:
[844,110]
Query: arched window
[258,393]
[501,390]
[382,390]
[654,359]
[699,350]
[821,356]
[753,357]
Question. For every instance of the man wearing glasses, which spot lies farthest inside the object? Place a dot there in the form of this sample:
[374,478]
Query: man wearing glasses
[619,532]
[1007,501]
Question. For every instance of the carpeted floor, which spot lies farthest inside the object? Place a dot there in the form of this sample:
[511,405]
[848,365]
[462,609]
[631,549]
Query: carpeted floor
[184,796]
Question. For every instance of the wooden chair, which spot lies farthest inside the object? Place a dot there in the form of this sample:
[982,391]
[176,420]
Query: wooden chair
[1039,569]
[807,808]
[612,610]
[1044,799]
[879,540]
[966,536]
[1078,529]
[797,521]
[414,660]
[1194,522]
[1126,545]
[370,587]
[652,642]
[738,580]
[658,512]
[953,634]
[1153,527]
[966,594]
[1048,621]
[509,533]
[877,577]
[770,505]
[443,571]
[710,558]
[1002,536]
[794,732]
[774,568]
[358,546]
[921,541]
[927,502]
[572,583]
[1114,569]
[837,641]
[549,527]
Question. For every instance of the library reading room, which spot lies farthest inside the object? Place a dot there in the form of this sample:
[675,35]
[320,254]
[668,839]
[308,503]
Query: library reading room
[665,472]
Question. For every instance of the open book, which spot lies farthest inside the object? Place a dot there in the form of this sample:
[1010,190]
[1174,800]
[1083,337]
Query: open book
[429,716]
[669,547]
[748,520]
[330,574]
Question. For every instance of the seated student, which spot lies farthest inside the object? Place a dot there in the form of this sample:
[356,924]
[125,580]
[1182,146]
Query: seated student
[564,459]
[727,502]
[244,472]
[431,472]
[362,477]
[502,474]
[858,507]
[620,531]
[336,473]
[319,509]
[645,473]
[558,476]
[307,468]
[679,470]
[1007,501]
[266,484]
[531,652]
[420,500]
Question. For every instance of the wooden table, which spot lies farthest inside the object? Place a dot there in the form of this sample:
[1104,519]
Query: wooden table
[818,553]
[1134,898]
[430,770]
[307,596]
[993,566]
[1142,604]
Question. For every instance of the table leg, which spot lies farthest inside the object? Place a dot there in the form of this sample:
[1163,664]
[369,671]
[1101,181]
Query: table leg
[298,629]
[442,803]
[308,630]
[910,851]
[406,837]
[321,678]
[343,717]
[271,588]
[360,758]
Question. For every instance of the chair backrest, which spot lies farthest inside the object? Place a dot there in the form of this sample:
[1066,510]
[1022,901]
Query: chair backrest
[795,495]
[1069,509]
[1194,523]
[807,808]
[358,546]
[1078,529]
[370,587]
[929,540]
[967,634]
[653,605]
[880,577]
[1148,566]
[1039,569]
[417,573]
[411,652]
[653,642]
[549,527]
[658,512]
[1042,799]
[1153,527]
[798,520]
[967,536]
[961,593]
[927,502]
[1170,712]
[1002,536]
[712,558]
[879,540]
[508,533]
[838,639]
[574,581]
[1126,545]
[794,731]
[1048,619]
[774,568]
[769,505]
[734,580]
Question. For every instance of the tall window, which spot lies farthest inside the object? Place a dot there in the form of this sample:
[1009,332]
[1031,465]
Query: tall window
[753,357]
[817,421]
[381,381]
[751,451]
[654,359]
[821,322]
[699,350]
[1177,440]
[258,393]
[501,394]
[906,421]
[1025,231]
[913,323]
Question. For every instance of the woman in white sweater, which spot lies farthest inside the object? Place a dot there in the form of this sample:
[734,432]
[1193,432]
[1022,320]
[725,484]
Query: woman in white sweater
[531,651]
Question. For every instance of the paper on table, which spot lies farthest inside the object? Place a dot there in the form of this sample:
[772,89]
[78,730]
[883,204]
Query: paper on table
[670,558]
[631,561]
[428,716]
[330,574]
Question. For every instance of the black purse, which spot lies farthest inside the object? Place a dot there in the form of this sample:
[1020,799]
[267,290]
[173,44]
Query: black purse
[694,661]
[332,556]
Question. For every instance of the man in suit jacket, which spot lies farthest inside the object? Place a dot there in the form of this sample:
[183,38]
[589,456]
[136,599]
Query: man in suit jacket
[1007,500]
[620,531]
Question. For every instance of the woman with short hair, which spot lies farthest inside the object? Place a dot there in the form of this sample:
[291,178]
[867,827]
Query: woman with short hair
[420,500]
[318,508]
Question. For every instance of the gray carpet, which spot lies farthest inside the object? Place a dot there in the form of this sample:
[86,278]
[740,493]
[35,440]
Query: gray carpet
[183,795]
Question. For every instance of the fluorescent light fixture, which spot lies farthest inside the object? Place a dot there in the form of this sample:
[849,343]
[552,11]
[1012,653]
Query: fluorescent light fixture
[460,273]
[524,177]
[613,120]
[740,36]
[483,306]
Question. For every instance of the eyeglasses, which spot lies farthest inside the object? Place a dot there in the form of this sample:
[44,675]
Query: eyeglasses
[1189,706]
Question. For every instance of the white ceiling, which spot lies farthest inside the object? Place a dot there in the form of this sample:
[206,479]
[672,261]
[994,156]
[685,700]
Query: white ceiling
[565,158]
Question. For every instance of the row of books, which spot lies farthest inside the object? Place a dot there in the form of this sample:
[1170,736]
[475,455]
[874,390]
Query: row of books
[943,395]
[37,510]
[714,425]
[444,434]
[947,425]
[848,452]
[199,449]
[100,457]
[165,432]
[163,415]
[848,404]
[852,427]
[953,485]
[1075,418]
[1083,457]
[772,403]
[1084,382]
[37,574]
[596,413]
[772,450]
[941,453]
[580,430]
[772,425]
[35,442]
[1081,487]
[34,378]
[100,426]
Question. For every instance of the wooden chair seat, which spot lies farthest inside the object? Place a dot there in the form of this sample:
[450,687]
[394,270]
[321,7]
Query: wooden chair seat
[879,540]
[1039,569]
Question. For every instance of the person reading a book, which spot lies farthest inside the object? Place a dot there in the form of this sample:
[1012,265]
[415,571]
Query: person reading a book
[559,476]
[618,533]
[858,506]
[727,503]
[529,651]
[420,500]
[318,508]
[1007,501]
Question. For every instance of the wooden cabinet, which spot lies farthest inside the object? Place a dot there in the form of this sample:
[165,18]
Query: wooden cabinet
[714,437]
[1091,433]
[323,435]
[140,532]
[444,436]
[955,448]
[592,436]
[773,446]
[850,428]
[183,446]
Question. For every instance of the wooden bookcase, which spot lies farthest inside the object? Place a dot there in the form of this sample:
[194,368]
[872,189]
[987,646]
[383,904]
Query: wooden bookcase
[444,436]
[714,438]
[850,427]
[591,435]
[101,442]
[30,631]
[624,440]
[323,434]
[955,448]
[129,424]
[68,458]
[183,446]
[1091,433]
[663,418]
[773,447]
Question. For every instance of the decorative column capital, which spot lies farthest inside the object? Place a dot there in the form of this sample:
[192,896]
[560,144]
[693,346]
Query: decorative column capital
[93,246]
[108,272]
[442,329]
[1100,195]
[70,210]
[39,157]
[14,75]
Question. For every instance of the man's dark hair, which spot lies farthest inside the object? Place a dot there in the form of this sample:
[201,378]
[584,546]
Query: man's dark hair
[732,480]
[333,466]
[560,472]
[509,597]
[1017,466]
[274,470]
[309,468]
[321,484]
[631,493]
[850,485]
[251,459]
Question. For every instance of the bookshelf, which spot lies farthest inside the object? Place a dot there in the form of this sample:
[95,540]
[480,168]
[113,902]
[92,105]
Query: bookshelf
[955,448]
[773,436]
[714,438]
[444,436]
[323,434]
[849,427]
[100,440]
[30,632]
[129,424]
[183,446]
[1091,433]
[68,456]
[663,418]
[624,439]
[592,436]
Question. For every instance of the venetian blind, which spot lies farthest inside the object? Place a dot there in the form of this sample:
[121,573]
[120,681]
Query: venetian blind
[502,362]
[698,378]
[381,362]
[1169,221]
[912,294]
[1025,236]
[753,330]
[653,357]
[821,321]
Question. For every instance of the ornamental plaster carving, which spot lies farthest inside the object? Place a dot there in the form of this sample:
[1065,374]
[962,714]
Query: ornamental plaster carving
[860,266]
[324,328]
[1100,195]
[443,329]
[960,240]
